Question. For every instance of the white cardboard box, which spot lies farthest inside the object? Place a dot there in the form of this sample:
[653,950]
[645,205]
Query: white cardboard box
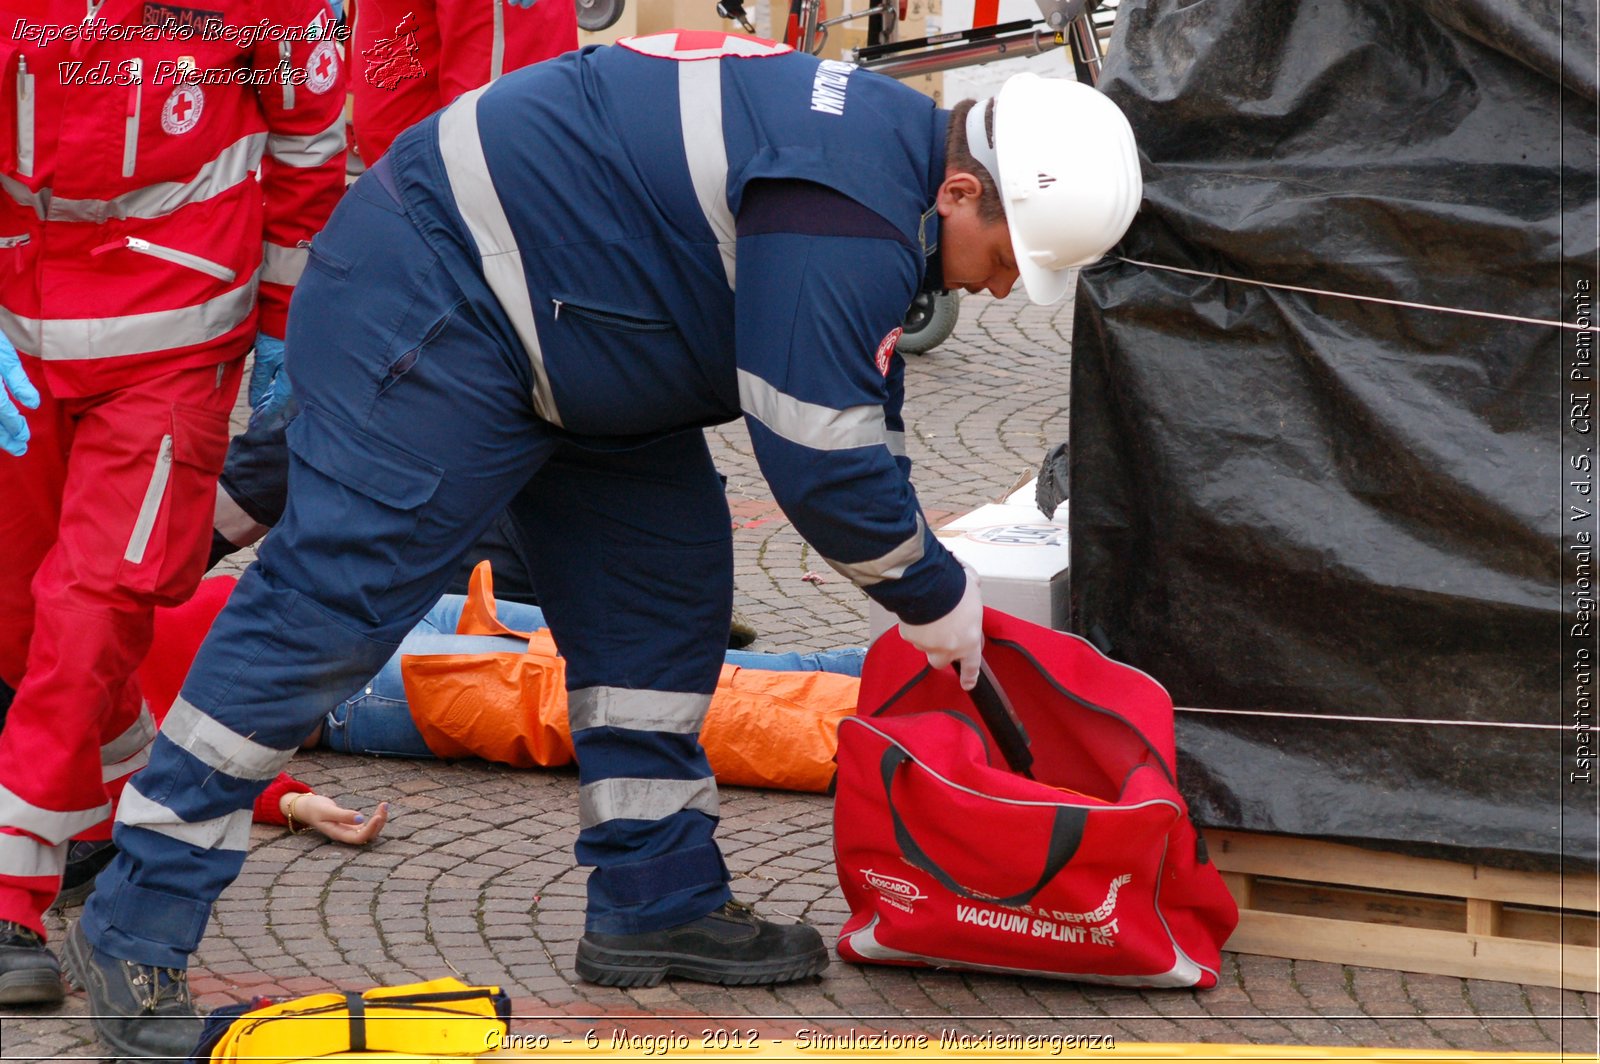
[1020,557]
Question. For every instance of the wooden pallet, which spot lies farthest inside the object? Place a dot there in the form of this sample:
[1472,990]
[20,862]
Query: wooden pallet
[1322,901]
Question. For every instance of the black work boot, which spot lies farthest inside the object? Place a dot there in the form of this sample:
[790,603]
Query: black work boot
[85,861]
[139,1011]
[29,973]
[732,946]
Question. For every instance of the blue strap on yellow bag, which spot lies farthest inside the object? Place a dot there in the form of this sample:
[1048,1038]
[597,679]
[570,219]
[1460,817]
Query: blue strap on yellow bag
[440,1018]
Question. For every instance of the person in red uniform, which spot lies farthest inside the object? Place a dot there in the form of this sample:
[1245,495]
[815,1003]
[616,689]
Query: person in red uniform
[415,56]
[161,175]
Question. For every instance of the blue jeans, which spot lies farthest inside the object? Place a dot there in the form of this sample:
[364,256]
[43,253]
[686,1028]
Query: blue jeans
[377,720]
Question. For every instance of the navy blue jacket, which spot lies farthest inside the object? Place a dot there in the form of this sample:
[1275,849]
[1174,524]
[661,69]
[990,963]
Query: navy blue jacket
[682,238]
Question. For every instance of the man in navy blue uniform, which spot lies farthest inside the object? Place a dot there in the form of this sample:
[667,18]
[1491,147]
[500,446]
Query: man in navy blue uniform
[565,276]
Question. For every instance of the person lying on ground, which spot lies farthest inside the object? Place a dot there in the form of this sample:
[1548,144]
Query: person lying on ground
[498,695]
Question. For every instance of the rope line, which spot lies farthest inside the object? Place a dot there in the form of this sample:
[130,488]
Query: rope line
[1375,720]
[1367,299]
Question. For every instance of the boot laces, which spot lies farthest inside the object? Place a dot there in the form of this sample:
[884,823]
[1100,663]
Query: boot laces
[158,984]
[25,936]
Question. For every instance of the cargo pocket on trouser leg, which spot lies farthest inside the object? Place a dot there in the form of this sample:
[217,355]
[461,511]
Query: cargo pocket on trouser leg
[353,508]
[171,536]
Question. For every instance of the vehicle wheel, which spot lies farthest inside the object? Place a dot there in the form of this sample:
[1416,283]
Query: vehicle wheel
[929,322]
[597,15]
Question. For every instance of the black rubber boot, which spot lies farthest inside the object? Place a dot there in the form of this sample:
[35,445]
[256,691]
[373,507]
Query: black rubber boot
[732,946]
[139,1011]
[29,972]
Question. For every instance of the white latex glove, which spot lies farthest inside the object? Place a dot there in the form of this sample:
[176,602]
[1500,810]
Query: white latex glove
[956,638]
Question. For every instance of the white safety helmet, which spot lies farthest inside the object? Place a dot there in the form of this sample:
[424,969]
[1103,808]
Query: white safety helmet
[1068,173]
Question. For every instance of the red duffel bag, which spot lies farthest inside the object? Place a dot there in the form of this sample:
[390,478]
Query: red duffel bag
[1034,827]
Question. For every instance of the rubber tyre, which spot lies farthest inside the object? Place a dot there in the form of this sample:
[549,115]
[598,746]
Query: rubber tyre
[597,15]
[929,322]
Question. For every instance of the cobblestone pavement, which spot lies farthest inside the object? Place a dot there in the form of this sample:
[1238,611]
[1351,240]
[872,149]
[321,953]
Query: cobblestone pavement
[475,876]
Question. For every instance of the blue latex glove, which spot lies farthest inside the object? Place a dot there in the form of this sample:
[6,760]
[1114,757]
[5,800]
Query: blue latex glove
[524,4]
[338,9]
[13,426]
[269,385]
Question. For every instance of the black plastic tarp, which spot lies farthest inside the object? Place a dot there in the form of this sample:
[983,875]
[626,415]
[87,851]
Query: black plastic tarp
[1346,535]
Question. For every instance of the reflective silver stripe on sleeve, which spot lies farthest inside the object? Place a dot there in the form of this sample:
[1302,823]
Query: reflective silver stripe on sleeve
[230,520]
[636,799]
[480,207]
[281,264]
[140,734]
[497,46]
[312,149]
[22,856]
[891,566]
[230,832]
[116,770]
[897,443]
[700,110]
[51,824]
[231,166]
[819,427]
[621,707]
[68,339]
[221,747]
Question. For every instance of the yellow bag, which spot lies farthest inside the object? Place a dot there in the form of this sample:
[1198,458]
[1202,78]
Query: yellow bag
[443,1018]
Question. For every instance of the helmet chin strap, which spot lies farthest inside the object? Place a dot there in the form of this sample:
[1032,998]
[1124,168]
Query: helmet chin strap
[978,139]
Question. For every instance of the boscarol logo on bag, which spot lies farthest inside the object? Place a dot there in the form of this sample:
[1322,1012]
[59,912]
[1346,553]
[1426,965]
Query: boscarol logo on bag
[901,893]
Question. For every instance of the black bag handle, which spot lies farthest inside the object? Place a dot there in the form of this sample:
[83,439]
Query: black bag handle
[1049,678]
[1074,697]
[1001,720]
[1066,834]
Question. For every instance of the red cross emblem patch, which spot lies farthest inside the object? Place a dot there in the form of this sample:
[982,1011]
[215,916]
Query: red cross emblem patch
[886,349]
[322,68]
[181,112]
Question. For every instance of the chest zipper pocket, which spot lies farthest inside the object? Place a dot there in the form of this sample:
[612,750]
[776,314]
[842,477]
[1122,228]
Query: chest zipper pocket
[130,138]
[172,255]
[610,319]
[24,119]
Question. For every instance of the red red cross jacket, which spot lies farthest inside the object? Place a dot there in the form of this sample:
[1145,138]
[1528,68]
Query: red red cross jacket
[162,172]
